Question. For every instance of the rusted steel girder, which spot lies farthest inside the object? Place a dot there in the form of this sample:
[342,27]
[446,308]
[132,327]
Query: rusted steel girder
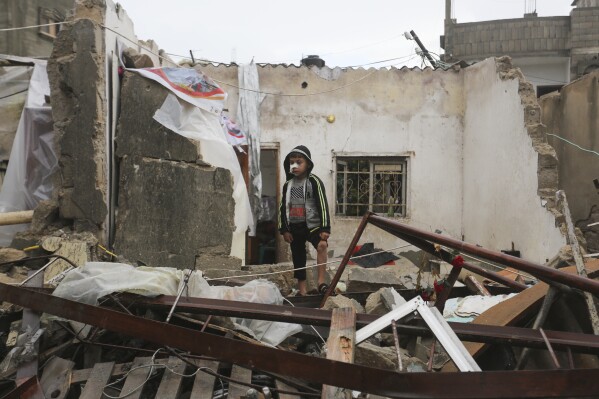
[447,257]
[423,245]
[480,385]
[539,271]
[581,343]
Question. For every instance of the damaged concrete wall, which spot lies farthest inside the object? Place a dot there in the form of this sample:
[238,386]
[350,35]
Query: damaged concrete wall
[174,209]
[76,71]
[510,172]
[476,165]
[410,113]
[573,114]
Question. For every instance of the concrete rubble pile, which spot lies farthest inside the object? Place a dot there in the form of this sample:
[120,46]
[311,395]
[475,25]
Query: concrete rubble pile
[119,339]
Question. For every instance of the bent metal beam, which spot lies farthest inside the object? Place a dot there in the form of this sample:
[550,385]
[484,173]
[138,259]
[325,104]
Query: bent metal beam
[495,384]
[539,271]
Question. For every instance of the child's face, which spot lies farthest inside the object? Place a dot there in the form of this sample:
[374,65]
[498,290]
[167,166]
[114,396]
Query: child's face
[298,165]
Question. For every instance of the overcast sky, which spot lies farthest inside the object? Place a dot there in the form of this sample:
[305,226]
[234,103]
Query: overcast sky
[343,33]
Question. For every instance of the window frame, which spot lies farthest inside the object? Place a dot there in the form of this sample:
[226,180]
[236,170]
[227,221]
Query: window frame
[373,159]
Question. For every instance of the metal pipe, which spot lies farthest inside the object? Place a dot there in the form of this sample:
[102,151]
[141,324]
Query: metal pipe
[540,271]
[346,257]
[557,365]
[185,281]
[47,265]
[473,385]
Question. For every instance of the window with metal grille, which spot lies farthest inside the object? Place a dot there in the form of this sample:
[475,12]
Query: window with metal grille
[376,184]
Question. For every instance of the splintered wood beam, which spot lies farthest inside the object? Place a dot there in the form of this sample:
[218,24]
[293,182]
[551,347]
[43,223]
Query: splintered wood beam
[341,346]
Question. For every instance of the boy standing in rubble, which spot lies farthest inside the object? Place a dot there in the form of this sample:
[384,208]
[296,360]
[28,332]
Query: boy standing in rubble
[304,215]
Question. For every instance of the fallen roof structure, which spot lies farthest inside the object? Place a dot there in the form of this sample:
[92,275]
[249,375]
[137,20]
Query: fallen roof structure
[496,384]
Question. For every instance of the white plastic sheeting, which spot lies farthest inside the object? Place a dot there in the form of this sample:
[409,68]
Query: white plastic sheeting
[465,309]
[32,158]
[197,124]
[14,82]
[248,117]
[96,279]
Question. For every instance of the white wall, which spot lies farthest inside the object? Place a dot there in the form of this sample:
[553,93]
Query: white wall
[399,112]
[501,204]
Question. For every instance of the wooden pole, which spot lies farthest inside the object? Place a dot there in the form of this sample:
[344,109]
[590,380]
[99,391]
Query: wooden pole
[19,217]
[340,346]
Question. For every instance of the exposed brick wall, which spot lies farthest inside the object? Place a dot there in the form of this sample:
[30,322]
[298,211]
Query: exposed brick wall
[479,40]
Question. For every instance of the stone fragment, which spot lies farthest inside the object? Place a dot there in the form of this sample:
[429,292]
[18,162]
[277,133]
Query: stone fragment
[74,250]
[10,255]
[361,280]
[44,215]
[137,131]
[340,301]
[171,213]
[383,301]
[133,59]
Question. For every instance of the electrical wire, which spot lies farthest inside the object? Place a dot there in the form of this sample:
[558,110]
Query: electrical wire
[14,94]
[308,267]
[573,144]
[32,26]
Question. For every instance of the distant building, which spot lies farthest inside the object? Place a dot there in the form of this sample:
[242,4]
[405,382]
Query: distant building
[550,51]
[34,42]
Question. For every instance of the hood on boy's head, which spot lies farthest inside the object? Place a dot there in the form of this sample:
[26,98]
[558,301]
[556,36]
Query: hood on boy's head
[305,152]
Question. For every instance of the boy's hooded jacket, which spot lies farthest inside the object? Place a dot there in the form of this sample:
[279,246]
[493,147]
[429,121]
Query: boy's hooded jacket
[317,208]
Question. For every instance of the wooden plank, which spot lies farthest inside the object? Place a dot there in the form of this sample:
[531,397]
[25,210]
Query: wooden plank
[119,369]
[203,384]
[281,385]
[136,378]
[573,241]
[238,373]
[94,388]
[341,346]
[170,385]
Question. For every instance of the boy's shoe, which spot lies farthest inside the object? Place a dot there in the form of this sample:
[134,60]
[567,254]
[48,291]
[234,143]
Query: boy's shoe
[322,288]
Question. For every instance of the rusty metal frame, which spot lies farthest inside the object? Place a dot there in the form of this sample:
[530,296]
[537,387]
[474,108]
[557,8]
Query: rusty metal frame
[542,272]
[516,336]
[481,385]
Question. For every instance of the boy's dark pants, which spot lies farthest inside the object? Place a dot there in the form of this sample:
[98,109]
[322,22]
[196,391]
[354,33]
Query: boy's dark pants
[301,234]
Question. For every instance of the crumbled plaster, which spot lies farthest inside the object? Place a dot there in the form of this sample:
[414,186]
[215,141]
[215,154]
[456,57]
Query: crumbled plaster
[547,170]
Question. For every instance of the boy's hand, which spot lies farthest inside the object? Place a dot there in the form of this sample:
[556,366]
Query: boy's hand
[287,237]
[324,236]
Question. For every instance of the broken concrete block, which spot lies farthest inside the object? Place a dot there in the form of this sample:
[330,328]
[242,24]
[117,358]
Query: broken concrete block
[383,301]
[340,301]
[133,59]
[44,215]
[171,213]
[370,355]
[217,260]
[10,255]
[360,279]
[74,250]
[137,131]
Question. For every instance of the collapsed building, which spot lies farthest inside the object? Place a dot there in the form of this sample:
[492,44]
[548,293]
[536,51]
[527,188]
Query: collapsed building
[143,178]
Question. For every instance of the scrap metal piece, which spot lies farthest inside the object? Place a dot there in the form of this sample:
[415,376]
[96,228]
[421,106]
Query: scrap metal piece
[578,342]
[539,271]
[474,385]
[454,347]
